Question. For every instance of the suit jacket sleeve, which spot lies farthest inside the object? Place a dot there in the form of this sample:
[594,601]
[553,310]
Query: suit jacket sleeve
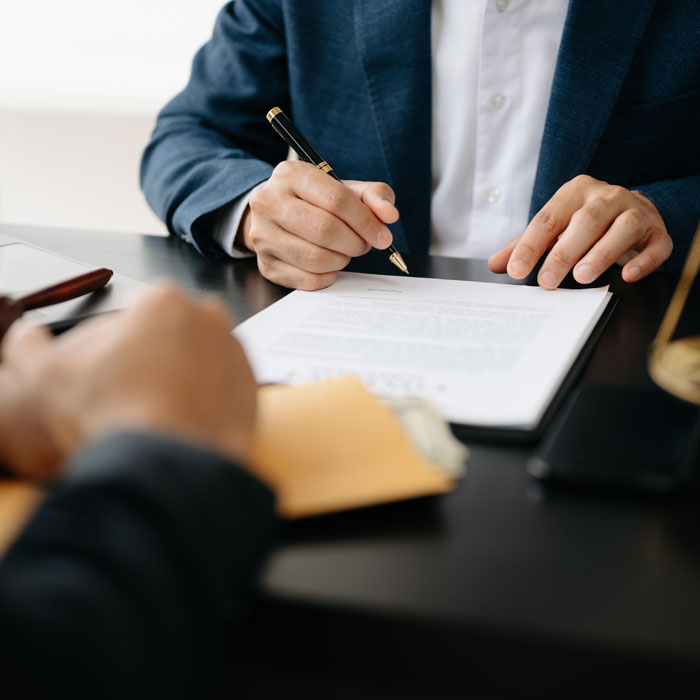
[212,142]
[123,581]
[678,202]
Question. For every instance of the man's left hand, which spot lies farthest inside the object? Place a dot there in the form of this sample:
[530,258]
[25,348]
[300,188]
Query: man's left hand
[588,225]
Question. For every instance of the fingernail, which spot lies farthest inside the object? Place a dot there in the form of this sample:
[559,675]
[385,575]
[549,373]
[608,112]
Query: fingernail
[584,274]
[391,201]
[548,280]
[633,274]
[384,239]
[516,268]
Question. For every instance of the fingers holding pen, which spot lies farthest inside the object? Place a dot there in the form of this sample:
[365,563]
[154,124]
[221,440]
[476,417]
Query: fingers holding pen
[365,214]
[287,275]
[299,252]
[305,220]
[378,196]
[342,201]
[317,227]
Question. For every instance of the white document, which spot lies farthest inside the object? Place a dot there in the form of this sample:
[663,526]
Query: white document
[487,354]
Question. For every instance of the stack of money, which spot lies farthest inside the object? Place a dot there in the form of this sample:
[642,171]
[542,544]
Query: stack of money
[427,429]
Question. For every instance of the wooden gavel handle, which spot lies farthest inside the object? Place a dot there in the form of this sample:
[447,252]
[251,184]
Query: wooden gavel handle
[64,291]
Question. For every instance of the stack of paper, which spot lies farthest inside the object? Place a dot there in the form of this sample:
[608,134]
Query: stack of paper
[486,354]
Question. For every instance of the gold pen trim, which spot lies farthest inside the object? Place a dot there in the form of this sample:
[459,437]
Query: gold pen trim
[324,166]
[398,261]
[273,113]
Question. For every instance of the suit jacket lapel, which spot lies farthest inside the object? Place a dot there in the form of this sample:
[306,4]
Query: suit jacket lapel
[597,47]
[393,38]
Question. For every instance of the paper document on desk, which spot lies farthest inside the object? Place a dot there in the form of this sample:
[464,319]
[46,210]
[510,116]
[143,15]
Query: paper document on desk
[487,354]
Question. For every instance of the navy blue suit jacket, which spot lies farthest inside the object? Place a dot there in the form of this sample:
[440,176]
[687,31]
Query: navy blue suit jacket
[124,582]
[356,77]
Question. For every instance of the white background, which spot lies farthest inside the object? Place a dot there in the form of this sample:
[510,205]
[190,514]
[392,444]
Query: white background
[80,84]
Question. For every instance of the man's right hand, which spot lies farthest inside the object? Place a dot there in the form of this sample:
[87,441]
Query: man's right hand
[304,226]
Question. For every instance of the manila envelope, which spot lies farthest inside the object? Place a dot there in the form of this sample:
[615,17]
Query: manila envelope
[333,446]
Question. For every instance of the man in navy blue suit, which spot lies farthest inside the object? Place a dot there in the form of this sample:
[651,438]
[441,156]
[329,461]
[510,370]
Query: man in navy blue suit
[553,131]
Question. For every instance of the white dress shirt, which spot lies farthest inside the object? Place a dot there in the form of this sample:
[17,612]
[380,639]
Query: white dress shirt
[493,64]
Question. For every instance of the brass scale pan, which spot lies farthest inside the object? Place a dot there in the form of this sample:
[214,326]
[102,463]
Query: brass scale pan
[675,364]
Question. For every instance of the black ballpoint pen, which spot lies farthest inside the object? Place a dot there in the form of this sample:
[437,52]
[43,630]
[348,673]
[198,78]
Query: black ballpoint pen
[306,152]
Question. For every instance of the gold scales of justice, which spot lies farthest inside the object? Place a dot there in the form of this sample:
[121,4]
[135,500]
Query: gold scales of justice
[674,365]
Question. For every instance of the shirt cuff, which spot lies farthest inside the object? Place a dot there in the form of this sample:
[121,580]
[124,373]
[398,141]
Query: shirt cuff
[226,228]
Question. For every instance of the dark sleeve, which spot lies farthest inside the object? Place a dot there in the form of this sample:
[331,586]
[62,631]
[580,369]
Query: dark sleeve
[212,142]
[121,585]
[678,202]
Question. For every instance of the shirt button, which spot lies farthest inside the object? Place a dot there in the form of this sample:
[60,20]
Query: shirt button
[502,5]
[498,101]
[492,194]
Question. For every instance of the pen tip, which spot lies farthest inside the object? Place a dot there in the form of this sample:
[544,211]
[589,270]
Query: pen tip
[396,258]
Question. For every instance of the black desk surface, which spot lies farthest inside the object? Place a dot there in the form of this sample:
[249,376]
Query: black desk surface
[500,589]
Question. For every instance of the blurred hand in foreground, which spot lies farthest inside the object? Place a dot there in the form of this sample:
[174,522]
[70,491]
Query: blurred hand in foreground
[166,364]
[26,447]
